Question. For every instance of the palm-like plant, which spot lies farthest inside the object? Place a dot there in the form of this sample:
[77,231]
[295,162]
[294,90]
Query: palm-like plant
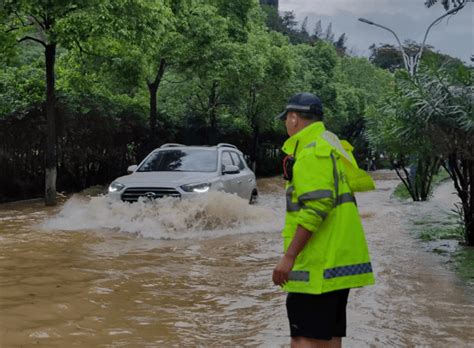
[444,104]
[401,133]
[430,118]
[446,3]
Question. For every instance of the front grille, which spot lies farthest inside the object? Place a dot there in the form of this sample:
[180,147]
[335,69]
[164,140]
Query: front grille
[132,194]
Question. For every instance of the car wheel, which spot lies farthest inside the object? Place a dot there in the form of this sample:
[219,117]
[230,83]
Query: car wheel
[253,197]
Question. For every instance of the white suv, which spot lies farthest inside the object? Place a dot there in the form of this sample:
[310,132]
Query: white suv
[185,171]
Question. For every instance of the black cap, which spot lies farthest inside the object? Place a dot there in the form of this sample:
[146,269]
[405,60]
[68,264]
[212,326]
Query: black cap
[303,102]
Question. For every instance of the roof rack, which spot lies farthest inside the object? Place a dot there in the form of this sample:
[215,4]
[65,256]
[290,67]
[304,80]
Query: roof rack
[226,145]
[171,145]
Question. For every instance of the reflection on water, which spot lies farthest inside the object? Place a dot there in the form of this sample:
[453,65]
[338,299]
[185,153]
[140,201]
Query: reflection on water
[183,273]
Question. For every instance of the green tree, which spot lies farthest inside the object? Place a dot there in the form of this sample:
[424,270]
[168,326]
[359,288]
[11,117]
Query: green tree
[136,51]
[328,34]
[261,83]
[40,22]
[314,69]
[396,128]
[215,53]
[340,44]
[21,86]
[318,30]
[444,106]
[358,85]
[63,24]
[386,56]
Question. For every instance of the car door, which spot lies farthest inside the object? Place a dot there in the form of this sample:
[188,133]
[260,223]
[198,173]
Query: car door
[228,180]
[245,180]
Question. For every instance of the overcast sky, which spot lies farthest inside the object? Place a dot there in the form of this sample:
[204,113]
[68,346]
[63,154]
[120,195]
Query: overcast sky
[408,18]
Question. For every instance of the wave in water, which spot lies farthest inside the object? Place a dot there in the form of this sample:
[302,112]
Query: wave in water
[210,215]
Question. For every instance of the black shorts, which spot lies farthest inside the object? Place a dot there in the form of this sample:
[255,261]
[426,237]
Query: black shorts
[317,316]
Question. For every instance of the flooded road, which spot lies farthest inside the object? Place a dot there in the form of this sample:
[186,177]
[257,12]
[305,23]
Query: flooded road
[181,273]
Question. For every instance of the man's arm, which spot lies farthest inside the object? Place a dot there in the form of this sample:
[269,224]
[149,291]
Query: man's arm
[284,266]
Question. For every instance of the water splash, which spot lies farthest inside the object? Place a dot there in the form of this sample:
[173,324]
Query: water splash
[210,215]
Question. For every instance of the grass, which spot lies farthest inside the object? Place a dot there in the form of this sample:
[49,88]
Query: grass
[402,193]
[441,232]
[464,264]
[446,227]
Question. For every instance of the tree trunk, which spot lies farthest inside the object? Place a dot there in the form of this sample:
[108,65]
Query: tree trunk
[253,122]
[254,153]
[469,210]
[153,90]
[400,167]
[212,107]
[432,169]
[418,180]
[51,151]
[462,174]
[153,116]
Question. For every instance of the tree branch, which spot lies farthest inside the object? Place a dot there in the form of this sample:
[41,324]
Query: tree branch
[407,186]
[19,18]
[160,73]
[203,107]
[43,17]
[407,182]
[89,53]
[32,39]
[23,25]
[38,22]
[9,30]
[453,171]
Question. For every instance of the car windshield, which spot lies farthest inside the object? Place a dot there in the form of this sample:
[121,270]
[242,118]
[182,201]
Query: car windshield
[188,160]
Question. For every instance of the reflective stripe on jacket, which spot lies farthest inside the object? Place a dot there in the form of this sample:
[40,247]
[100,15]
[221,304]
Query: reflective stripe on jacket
[320,198]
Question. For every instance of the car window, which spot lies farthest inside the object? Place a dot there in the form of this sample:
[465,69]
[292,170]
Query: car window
[237,161]
[187,160]
[226,159]
[244,161]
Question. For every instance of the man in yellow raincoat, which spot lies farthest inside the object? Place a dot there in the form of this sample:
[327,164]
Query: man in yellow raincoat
[325,251]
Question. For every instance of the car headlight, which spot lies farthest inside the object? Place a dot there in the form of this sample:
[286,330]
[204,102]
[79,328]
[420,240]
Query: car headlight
[116,187]
[198,188]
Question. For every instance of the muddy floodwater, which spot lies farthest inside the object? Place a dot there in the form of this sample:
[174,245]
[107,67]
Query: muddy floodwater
[90,273]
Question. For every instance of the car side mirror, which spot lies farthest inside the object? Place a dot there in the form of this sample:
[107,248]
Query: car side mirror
[230,169]
[131,169]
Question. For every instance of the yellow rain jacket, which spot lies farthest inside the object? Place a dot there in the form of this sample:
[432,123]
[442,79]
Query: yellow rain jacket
[320,198]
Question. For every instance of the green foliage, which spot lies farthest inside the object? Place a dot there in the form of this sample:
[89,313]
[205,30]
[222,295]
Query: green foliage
[20,88]
[359,73]
[359,86]
[314,69]
[429,120]
[444,99]
[440,232]
[397,128]
[464,264]
[220,71]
